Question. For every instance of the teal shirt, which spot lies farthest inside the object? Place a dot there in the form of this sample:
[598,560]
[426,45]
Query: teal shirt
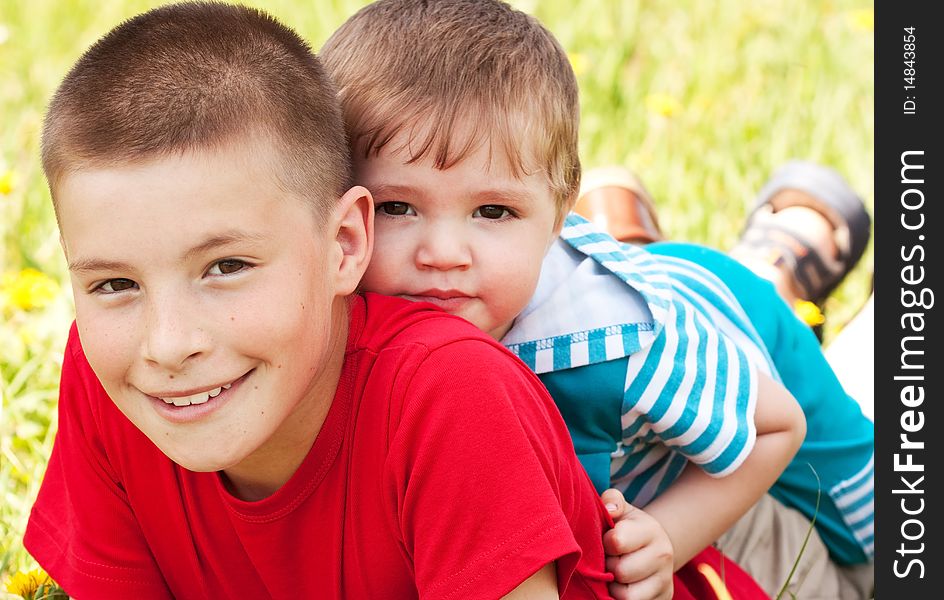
[688,389]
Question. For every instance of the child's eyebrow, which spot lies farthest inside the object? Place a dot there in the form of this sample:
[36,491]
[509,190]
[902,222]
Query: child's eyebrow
[503,196]
[224,239]
[217,241]
[392,190]
[97,264]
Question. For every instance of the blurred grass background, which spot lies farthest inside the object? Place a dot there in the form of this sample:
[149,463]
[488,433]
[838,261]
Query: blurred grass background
[702,98]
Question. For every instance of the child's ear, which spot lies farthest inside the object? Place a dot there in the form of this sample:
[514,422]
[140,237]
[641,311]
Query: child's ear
[355,237]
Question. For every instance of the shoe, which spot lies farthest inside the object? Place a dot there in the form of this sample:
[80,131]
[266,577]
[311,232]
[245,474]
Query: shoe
[815,265]
[615,200]
[813,186]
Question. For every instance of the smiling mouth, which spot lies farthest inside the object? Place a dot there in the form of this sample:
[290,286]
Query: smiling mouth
[198,398]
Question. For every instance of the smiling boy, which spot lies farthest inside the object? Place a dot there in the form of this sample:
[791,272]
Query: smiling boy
[181,327]
[235,422]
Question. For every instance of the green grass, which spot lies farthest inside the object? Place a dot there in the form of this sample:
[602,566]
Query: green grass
[748,86]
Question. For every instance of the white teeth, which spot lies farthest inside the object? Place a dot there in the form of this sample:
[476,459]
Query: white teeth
[198,398]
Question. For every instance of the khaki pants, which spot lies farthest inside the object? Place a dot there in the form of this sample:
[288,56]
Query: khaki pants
[766,542]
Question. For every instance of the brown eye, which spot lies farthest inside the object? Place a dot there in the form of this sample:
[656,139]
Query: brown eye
[492,211]
[395,209]
[116,285]
[227,267]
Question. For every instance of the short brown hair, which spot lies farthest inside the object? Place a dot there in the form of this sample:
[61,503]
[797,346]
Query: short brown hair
[194,76]
[456,73]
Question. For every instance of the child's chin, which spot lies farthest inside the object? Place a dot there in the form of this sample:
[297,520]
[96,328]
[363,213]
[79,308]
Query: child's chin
[200,467]
[200,464]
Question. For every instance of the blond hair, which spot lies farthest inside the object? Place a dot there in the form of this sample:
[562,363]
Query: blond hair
[454,74]
[194,76]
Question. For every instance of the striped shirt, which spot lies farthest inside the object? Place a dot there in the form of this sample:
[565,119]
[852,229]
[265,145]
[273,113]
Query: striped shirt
[690,389]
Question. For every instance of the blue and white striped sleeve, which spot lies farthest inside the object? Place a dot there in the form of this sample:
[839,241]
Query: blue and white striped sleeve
[695,390]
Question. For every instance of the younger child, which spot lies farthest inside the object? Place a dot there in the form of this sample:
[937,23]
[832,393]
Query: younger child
[462,118]
[234,422]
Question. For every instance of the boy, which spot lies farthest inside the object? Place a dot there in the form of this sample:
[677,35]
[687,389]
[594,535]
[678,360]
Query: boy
[462,118]
[234,423]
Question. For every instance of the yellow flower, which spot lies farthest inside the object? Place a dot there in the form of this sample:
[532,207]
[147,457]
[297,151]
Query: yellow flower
[6,182]
[662,104]
[28,289]
[863,19]
[27,584]
[809,313]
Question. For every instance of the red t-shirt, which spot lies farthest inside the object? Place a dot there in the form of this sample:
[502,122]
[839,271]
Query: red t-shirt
[442,470]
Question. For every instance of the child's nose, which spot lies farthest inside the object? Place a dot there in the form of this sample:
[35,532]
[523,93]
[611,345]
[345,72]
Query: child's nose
[174,336]
[444,248]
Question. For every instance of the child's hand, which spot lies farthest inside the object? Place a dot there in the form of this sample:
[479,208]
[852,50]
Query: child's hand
[639,553]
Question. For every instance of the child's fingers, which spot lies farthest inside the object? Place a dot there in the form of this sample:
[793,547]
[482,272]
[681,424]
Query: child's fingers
[623,539]
[647,563]
[619,591]
[632,531]
[615,503]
